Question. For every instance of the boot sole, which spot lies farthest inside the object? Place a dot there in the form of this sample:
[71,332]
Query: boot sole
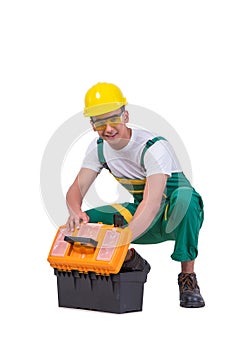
[192,305]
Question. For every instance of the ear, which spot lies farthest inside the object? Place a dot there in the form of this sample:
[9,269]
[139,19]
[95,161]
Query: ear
[126,117]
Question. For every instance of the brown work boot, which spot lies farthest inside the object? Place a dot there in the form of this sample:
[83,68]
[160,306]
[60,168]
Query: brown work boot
[189,291]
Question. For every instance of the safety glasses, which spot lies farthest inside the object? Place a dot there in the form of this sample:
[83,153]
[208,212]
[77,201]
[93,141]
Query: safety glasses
[100,124]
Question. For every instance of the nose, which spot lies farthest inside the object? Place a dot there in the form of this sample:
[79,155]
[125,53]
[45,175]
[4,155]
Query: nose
[108,128]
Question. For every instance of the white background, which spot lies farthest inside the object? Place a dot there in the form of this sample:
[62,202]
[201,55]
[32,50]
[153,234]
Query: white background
[173,57]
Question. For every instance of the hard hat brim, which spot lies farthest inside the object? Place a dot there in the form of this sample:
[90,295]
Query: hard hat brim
[103,108]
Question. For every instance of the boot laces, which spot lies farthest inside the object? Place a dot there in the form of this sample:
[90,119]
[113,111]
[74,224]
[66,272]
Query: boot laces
[188,282]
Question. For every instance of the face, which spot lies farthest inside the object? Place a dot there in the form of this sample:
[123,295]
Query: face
[112,127]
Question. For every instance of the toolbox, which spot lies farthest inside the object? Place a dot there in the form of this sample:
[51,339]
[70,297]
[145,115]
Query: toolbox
[87,264]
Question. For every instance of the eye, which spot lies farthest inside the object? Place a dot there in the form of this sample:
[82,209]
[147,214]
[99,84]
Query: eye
[115,119]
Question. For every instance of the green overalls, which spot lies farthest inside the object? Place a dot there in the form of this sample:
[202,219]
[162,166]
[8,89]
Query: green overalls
[180,216]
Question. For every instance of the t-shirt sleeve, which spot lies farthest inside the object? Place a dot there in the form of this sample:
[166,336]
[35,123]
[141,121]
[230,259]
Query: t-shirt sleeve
[160,158]
[91,160]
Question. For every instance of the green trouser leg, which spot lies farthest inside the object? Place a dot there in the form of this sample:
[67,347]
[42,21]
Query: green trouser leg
[179,219]
[105,214]
[185,218]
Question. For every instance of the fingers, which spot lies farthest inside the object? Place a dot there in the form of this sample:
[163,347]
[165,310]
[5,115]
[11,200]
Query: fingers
[70,224]
[84,218]
[73,222]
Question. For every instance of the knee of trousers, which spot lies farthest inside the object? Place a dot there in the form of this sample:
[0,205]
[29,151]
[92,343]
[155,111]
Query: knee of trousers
[185,210]
[103,214]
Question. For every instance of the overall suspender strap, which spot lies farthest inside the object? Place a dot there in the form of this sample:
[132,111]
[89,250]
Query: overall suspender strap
[132,185]
[123,211]
[100,153]
[147,146]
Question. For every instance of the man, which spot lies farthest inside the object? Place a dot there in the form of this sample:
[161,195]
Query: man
[165,207]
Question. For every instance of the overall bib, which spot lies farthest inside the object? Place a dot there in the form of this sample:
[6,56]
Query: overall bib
[180,216]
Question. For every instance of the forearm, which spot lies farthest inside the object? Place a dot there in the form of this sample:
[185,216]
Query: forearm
[74,199]
[78,190]
[150,205]
[143,218]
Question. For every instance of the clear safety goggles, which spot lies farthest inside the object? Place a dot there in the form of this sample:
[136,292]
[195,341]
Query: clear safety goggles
[101,124]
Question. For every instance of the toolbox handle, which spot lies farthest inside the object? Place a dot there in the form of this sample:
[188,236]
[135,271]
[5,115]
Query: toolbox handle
[84,241]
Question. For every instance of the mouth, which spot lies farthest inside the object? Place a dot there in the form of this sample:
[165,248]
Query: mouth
[111,137]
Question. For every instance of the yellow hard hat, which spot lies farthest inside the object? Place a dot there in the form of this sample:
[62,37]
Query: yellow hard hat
[103,98]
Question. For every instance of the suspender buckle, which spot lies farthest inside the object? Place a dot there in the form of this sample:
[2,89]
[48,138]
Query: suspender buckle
[99,141]
[149,143]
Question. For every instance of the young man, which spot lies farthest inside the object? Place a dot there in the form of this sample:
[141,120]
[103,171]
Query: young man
[165,207]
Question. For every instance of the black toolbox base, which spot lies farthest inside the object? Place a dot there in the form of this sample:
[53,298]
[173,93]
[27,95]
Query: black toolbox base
[118,293]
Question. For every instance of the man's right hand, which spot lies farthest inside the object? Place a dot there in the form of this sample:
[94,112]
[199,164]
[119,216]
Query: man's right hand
[74,220]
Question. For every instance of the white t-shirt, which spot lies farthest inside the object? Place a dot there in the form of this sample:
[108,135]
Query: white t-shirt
[160,158]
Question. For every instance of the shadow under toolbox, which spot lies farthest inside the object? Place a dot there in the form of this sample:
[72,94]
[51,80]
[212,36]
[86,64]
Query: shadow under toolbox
[88,263]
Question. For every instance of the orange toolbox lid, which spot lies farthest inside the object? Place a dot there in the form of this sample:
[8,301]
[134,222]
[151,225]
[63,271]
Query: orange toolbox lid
[93,247]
